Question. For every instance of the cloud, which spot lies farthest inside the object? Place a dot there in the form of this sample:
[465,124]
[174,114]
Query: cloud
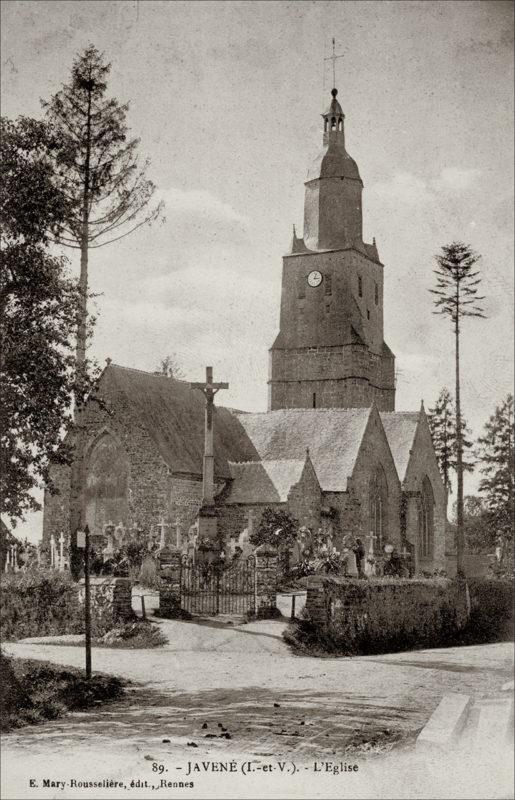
[456,180]
[403,187]
[201,205]
[412,190]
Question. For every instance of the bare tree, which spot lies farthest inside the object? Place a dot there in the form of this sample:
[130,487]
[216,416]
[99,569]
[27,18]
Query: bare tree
[171,367]
[456,297]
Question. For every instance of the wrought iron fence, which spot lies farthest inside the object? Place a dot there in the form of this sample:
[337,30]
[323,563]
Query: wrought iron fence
[218,589]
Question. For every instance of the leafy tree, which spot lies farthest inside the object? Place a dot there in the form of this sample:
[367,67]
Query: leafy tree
[106,188]
[477,523]
[38,313]
[442,424]
[279,529]
[456,297]
[496,451]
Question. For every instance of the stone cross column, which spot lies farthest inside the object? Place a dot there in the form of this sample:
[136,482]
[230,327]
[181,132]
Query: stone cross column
[207,514]
[209,389]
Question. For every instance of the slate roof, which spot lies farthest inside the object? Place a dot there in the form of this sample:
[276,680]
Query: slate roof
[400,428]
[173,415]
[263,481]
[333,436]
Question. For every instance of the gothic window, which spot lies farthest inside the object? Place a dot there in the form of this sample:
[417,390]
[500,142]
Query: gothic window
[376,294]
[368,313]
[329,284]
[426,520]
[301,288]
[106,483]
[360,286]
[314,400]
[378,499]
[333,123]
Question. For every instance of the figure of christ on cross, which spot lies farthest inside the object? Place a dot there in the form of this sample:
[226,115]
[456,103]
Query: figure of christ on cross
[209,389]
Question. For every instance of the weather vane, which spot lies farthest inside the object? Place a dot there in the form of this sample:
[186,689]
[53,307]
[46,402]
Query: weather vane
[333,58]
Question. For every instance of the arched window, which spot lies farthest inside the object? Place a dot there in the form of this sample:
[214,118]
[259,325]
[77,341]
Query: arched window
[378,516]
[426,520]
[106,483]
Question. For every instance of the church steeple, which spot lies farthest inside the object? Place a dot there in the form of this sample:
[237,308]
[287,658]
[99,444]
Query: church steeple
[330,351]
[333,122]
[332,207]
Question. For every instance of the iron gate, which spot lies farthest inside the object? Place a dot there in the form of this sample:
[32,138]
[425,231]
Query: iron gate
[218,589]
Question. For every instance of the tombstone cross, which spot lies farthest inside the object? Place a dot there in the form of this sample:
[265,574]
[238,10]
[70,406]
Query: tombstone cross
[61,552]
[372,536]
[52,551]
[209,389]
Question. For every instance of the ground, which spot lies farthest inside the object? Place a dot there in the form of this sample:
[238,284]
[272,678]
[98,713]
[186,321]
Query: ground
[276,707]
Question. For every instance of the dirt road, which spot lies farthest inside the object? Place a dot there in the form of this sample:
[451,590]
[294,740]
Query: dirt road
[237,693]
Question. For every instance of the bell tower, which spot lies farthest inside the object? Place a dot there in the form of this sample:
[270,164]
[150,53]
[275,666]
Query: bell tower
[330,350]
[332,206]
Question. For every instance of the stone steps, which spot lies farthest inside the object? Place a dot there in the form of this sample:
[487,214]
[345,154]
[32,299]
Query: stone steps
[469,724]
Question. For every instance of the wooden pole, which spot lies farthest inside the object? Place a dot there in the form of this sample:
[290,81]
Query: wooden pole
[87,604]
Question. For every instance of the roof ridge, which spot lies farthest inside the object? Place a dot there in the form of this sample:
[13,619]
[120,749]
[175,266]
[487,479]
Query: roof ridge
[364,409]
[152,374]
[413,413]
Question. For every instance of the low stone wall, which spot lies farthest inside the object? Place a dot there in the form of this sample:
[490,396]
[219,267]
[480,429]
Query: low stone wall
[386,614]
[266,580]
[111,601]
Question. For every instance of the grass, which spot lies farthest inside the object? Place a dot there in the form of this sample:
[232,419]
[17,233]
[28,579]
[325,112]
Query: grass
[36,691]
[133,635]
[139,635]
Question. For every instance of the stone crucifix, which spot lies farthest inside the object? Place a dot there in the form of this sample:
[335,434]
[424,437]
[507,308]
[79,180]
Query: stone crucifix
[209,389]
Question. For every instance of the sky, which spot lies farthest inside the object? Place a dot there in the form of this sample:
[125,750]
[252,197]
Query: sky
[226,99]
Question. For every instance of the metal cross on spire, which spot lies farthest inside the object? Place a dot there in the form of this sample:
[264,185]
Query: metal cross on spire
[334,59]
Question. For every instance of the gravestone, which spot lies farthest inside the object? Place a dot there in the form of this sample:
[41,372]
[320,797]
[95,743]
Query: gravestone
[169,561]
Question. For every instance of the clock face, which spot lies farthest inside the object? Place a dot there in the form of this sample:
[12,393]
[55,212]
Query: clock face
[315,278]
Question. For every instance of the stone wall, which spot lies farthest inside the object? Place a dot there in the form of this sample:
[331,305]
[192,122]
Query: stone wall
[266,580]
[305,499]
[111,602]
[144,494]
[423,463]
[146,487]
[330,342]
[375,453]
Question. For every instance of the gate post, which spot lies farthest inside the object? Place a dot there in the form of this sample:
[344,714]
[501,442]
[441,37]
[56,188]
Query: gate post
[266,580]
[170,560]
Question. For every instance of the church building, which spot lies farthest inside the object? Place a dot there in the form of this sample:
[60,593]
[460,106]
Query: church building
[331,450]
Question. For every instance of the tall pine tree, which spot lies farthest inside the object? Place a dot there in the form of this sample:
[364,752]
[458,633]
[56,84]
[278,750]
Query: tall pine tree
[108,195]
[496,451]
[456,297]
[442,423]
[106,187]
